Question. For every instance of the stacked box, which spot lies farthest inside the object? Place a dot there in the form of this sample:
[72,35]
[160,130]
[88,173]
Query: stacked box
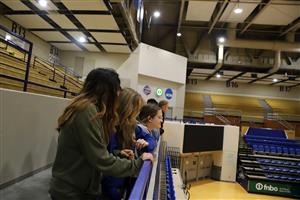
[189,166]
[204,166]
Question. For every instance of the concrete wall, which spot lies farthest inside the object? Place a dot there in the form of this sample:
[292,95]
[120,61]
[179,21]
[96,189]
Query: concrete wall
[28,138]
[40,47]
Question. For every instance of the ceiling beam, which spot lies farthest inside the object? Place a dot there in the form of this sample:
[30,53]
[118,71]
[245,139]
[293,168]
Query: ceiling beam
[217,14]
[73,29]
[295,24]
[53,24]
[255,13]
[77,23]
[236,76]
[263,77]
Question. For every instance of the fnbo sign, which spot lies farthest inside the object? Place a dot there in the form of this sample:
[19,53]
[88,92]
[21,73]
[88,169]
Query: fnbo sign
[260,186]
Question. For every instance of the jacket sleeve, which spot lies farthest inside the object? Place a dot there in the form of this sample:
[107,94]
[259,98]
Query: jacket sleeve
[141,134]
[94,148]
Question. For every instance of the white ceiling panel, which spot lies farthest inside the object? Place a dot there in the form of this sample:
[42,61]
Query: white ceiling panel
[242,80]
[248,74]
[200,10]
[278,15]
[76,34]
[109,37]
[98,21]
[197,77]
[15,4]
[204,71]
[27,21]
[285,84]
[117,48]
[50,5]
[263,82]
[84,4]
[222,78]
[66,46]
[62,21]
[230,16]
[231,73]
[51,36]
[91,47]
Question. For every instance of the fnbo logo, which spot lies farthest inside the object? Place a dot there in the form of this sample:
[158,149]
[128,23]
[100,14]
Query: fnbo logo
[260,186]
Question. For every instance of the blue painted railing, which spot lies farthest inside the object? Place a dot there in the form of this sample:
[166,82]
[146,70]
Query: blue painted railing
[141,185]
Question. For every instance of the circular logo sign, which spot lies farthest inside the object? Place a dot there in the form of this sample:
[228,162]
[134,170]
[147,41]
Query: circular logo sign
[147,90]
[169,93]
[159,92]
[259,186]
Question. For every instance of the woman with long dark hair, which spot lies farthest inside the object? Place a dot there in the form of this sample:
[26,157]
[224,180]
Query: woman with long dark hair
[84,132]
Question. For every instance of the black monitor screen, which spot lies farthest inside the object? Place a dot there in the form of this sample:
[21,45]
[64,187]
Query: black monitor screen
[202,138]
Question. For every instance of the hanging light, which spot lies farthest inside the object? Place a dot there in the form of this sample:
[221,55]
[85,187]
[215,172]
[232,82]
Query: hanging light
[238,10]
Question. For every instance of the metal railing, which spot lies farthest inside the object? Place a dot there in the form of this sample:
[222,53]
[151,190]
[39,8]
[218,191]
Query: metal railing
[27,52]
[280,119]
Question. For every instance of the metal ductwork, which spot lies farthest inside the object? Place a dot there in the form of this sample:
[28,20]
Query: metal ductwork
[220,58]
[277,63]
[266,45]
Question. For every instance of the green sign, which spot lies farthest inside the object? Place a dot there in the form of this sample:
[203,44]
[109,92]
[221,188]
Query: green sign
[275,188]
[159,92]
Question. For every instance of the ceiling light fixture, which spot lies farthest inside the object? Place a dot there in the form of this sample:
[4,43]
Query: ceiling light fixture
[238,10]
[7,37]
[221,39]
[156,14]
[82,39]
[43,3]
[218,75]
[178,34]
[275,80]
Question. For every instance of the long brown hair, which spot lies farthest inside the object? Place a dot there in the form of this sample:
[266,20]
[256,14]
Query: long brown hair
[129,108]
[100,88]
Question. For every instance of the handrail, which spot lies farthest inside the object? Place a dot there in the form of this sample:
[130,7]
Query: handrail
[140,186]
[222,111]
[37,84]
[40,60]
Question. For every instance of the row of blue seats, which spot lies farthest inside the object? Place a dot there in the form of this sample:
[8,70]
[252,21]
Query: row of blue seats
[266,132]
[169,180]
[280,143]
[267,138]
[275,149]
[279,169]
[282,177]
[280,162]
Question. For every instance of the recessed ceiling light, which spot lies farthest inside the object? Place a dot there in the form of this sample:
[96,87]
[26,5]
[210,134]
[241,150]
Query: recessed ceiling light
[221,39]
[275,80]
[178,34]
[82,39]
[156,14]
[7,37]
[238,10]
[43,3]
[218,75]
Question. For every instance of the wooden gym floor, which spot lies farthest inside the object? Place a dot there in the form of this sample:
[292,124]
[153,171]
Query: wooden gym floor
[210,189]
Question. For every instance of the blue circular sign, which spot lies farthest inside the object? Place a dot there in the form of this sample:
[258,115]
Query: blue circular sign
[147,90]
[169,93]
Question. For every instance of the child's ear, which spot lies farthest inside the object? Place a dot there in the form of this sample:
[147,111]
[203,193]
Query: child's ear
[149,119]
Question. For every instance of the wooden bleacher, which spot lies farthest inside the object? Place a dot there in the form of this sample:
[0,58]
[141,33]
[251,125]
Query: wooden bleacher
[41,72]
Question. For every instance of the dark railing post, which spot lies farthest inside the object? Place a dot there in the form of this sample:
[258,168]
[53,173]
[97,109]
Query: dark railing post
[33,65]
[65,94]
[27,67]
[64,83]
[53,72]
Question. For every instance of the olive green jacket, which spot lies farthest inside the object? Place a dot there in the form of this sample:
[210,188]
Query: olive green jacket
[82,159]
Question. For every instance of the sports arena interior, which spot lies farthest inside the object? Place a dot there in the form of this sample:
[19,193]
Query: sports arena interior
[228,69]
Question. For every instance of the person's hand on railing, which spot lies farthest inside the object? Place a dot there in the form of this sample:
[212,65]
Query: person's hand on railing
[141,143]
[128,153]
[147,156]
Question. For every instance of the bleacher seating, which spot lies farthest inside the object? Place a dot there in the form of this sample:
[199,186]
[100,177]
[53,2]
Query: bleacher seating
[44,78]
[270,156]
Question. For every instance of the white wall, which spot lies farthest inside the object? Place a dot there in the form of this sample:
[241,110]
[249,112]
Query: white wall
[253,90]
[128,70]
[92,60]
[40,47]
[28,138]
[155,62]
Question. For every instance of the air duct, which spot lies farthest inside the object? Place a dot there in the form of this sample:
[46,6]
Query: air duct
[277,63]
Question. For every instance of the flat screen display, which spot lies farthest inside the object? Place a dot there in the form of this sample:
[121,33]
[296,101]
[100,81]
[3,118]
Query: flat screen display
[202,138]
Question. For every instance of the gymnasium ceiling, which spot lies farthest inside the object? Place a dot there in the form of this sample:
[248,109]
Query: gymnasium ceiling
[107,28]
